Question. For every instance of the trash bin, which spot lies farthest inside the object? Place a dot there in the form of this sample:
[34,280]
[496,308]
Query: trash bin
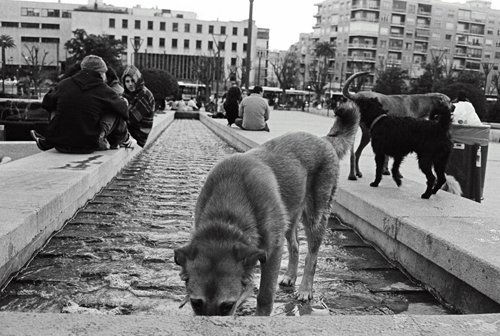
[468,158]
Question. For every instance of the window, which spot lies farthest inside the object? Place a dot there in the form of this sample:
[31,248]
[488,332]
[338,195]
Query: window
[180,16]
[245,32]
[150,25]
[174,43]
[111,23]
[66,14]
[50,40]
[210,29]
[124,40]
[50,12]
[30,39]
[448,37]
[244,47]
[50,26]
[175,26]
[186,44]
[162,26]
[30,11]
[233,61]
[235,31]
[198,44]
[162,42]
[199,28]
[137,24]
[150,41]
[223,30]
[10,24]
[124,23]
[234,46]
[210,45]
[30,25]
[187,27]
[222,45]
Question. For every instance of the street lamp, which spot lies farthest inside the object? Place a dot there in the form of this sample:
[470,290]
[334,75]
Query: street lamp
[260,53]
[218,42]
[249,45]
[136,45]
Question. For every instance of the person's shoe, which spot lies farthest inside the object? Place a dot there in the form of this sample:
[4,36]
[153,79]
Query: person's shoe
[103,143]
[41,142]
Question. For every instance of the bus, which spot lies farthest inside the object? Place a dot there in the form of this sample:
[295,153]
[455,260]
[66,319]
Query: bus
[294,98]
[191,90]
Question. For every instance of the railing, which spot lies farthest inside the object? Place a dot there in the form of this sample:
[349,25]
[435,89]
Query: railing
[355,58]
[363,45]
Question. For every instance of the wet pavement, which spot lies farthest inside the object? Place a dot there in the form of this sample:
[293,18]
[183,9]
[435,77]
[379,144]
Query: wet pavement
[116,255]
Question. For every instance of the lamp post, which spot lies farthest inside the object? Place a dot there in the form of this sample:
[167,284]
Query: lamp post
[249,45]
[136,45]
[260,53]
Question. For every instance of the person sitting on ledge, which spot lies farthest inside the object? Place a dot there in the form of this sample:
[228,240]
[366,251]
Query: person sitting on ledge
[77,105]
[253,112]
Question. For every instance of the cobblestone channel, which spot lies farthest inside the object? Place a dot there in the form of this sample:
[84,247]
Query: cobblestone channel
[116,255]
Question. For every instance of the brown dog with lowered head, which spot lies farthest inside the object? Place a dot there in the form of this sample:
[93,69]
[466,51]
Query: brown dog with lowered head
[406,105]
[249,203]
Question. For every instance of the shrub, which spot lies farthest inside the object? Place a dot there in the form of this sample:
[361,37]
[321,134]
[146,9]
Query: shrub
[161,84]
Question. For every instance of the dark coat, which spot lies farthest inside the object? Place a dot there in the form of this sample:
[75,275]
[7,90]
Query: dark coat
[79,102]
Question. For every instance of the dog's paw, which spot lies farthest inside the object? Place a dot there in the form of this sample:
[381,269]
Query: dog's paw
[287,281]
[374,184]
[398,181]
[352,178]
[304,295]
[426,195]
[358,174]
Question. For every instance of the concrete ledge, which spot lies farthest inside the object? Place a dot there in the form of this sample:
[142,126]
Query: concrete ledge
[74,324]
[18,149]
[449,243]
[39,193]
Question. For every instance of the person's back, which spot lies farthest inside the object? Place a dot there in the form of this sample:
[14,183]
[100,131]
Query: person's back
[464,113]
[254,111]
[78,103]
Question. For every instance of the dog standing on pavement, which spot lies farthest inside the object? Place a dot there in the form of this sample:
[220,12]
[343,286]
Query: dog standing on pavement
[398,136]
[415,105]
[249,203]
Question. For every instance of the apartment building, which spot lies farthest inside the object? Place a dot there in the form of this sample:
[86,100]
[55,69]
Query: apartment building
[373,34]
[158,38]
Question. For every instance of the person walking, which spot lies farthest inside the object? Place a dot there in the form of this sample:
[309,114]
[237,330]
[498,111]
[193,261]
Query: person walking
[253,112]
[231,104]
[77,105]
[141,104]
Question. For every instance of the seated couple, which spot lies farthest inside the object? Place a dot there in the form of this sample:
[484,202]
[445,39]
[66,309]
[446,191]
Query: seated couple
[253,112]
[87,114]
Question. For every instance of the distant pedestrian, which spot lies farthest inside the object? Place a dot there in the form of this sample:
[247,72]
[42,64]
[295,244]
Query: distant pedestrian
[78,104]
[464,113]
[231,104]
[254,112]
[141,104]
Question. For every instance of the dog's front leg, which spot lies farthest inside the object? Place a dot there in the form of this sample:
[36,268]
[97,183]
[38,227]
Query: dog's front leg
[379,161]
[268,282]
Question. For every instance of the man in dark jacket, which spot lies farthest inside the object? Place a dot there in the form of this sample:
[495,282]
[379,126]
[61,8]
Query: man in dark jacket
[78,103]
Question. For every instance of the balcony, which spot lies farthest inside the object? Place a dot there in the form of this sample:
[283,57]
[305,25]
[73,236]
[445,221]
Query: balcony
[363,28]
[420,50]
[362,46]
[399,9]
[395,47]
[361,58]
[424,25]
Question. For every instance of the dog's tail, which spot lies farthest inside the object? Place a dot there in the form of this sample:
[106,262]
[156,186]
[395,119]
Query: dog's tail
[343,131]
[345,90]
[452,186]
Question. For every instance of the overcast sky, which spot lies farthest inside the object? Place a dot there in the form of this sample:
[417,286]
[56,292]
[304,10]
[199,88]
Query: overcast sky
[286,18]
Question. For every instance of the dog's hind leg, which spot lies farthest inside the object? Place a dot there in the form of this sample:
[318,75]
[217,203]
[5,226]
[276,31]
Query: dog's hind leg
[396,176]
[293,252]
[425,165]
[352,171]
[439,168]
[269,277]
[379,161]
[365,140]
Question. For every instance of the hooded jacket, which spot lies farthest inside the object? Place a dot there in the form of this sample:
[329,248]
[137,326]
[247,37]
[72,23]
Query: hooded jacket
[141,106]
[79,102]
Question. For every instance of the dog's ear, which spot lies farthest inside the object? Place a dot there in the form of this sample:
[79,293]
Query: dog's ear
[249,255]
[182,254]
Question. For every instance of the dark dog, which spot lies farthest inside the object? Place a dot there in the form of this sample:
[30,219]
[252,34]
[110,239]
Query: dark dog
[399,136]
[416,106]
[249,203]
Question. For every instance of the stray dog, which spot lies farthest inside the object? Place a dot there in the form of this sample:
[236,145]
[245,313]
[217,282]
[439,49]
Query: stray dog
[416,106]
[399,136]
[249,203]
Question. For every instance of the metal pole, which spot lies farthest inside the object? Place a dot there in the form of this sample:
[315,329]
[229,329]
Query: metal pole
[258,73]
[249,45]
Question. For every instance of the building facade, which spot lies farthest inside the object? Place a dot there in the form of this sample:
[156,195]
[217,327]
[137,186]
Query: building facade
[156,38]
[371,34]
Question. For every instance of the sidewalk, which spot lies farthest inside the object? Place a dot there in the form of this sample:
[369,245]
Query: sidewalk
[282,121]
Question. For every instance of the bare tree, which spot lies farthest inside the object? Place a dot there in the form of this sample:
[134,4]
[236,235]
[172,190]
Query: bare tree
[36,62]
[487,68]
[320,66]
[286,68]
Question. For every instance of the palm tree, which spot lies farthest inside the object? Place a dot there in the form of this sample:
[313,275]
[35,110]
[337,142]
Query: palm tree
[320,70]
[6,41]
